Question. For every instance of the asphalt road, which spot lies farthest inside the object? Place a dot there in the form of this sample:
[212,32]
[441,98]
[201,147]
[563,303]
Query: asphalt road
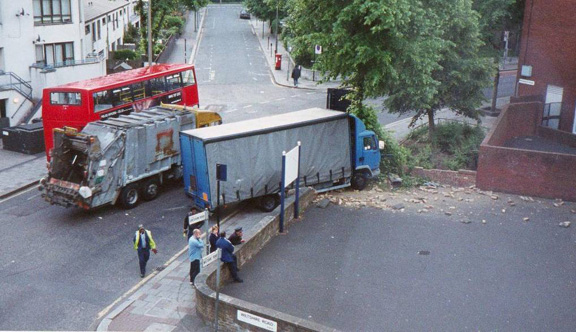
[60,267]
[376,270]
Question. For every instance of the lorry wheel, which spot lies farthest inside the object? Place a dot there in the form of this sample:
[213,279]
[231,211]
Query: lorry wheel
[359,181]
[129,196]
[150,189]
[268,203]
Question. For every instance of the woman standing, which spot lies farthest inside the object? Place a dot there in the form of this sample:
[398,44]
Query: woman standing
[213,238]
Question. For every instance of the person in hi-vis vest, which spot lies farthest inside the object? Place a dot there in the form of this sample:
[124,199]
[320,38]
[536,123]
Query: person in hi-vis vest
[143,242]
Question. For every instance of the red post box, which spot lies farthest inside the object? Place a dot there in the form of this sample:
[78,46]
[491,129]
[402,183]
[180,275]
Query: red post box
[278,61]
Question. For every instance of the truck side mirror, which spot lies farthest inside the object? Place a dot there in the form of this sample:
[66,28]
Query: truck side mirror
[381,145]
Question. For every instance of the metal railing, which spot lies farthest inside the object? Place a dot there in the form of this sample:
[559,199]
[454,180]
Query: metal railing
[551,115]
[11,81]
[67,63]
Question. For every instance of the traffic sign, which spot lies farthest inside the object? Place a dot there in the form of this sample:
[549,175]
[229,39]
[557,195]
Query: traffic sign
[318,49]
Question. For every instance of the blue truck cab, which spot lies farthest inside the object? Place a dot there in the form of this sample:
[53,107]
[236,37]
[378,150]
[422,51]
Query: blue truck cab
[365,153]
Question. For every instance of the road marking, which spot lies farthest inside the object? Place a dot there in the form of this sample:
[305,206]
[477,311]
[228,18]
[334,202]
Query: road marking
[212,74]
[252,112]
[247,106]
[265,102]
[230,111]
[31,198]
[280,99]
[254,78]
[294,96]
[310,93]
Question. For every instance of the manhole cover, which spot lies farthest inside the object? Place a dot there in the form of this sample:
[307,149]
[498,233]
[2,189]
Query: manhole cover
[424,252]
[160,268]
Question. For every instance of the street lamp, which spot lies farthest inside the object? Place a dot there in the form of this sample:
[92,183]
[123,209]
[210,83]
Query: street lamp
[276,29]
[149,33]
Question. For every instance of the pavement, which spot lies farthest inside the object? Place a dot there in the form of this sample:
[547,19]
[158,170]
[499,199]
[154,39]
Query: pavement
[164,301]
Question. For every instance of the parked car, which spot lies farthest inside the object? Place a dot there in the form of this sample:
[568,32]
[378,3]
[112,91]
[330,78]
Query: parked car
[244,14]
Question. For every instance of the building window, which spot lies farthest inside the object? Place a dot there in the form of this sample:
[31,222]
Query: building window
[99,31]
[57,55]
[52,11]
[87,29]
[93,31]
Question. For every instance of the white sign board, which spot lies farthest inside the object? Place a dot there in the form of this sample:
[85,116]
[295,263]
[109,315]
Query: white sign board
[209,258]
[198,217]
[318,49]
[264,323]
[523,81]
[291,166]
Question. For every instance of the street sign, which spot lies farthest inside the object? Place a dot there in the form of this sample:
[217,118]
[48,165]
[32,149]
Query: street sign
[209,258]
[221,172]
[527,82]
[261,322]
[198,217]
[318,49]
[291,166]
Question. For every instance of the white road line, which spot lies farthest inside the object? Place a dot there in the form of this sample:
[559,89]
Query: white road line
[33,197]
[254,78]
[294,96]
[252,112]
[247,106]
[310,93]
[230,111]
[264,102]
[279,99]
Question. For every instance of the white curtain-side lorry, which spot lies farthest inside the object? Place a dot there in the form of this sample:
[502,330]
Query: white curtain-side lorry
[336,151]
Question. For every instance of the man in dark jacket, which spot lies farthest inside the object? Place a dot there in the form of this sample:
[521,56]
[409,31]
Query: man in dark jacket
[188,227]
[296,72]
[236,238]
[228,256]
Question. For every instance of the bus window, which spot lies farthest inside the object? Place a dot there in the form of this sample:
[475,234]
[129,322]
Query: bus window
[157,85]
[173,82]
[101,101]
[138,90]
[65,98]
[188,78]
[121,96]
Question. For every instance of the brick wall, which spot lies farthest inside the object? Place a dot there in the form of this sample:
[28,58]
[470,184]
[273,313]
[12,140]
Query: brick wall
[460,178]
[228,306]
[525,172]
[548,45]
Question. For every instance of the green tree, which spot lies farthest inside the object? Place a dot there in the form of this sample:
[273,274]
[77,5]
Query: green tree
[458,76]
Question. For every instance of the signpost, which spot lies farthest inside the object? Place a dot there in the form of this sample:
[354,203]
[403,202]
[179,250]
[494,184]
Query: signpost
[290,173]
[221,175]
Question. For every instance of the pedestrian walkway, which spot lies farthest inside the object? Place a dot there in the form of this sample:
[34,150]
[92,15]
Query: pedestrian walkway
[19,171]
[282,76]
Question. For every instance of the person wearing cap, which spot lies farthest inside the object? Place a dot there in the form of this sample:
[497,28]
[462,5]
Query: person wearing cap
[236,238]
[228,256]
[143,243]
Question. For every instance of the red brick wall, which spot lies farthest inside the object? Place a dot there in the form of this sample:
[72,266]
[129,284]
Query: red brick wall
[520,171]
[548,45]
[461,178]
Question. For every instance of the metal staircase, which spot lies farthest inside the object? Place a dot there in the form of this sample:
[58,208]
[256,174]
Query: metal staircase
[11,81]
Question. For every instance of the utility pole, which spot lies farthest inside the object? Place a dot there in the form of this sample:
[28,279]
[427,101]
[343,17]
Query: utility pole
[276,28]
[149,33]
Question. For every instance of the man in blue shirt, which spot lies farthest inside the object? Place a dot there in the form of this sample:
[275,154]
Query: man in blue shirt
[228,256]
[195,246]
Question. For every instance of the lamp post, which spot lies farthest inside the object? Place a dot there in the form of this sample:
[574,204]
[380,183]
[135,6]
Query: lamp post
[149,33]
[276,29]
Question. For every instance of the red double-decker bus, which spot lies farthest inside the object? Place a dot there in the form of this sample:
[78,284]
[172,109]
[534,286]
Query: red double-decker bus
[76,104]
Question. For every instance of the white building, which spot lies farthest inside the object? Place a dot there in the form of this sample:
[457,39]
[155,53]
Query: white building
[45,43]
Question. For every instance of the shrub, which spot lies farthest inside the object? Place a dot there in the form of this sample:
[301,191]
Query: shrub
[174,23]
[125,55]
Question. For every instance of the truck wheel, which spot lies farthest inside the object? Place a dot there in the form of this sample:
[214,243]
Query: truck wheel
[359,181]
[150,189]
[129,196]
[268,203]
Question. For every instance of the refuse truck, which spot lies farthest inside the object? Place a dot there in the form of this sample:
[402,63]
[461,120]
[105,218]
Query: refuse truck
[336,151]
[123,159]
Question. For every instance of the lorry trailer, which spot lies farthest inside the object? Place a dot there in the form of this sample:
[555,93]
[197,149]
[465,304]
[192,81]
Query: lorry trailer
[336,151]
[123,159]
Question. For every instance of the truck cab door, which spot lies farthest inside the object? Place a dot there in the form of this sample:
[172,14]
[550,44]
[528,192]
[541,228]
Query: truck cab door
[369,154]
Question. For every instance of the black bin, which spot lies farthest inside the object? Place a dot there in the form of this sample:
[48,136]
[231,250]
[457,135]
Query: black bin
[334,100]
[28,138]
